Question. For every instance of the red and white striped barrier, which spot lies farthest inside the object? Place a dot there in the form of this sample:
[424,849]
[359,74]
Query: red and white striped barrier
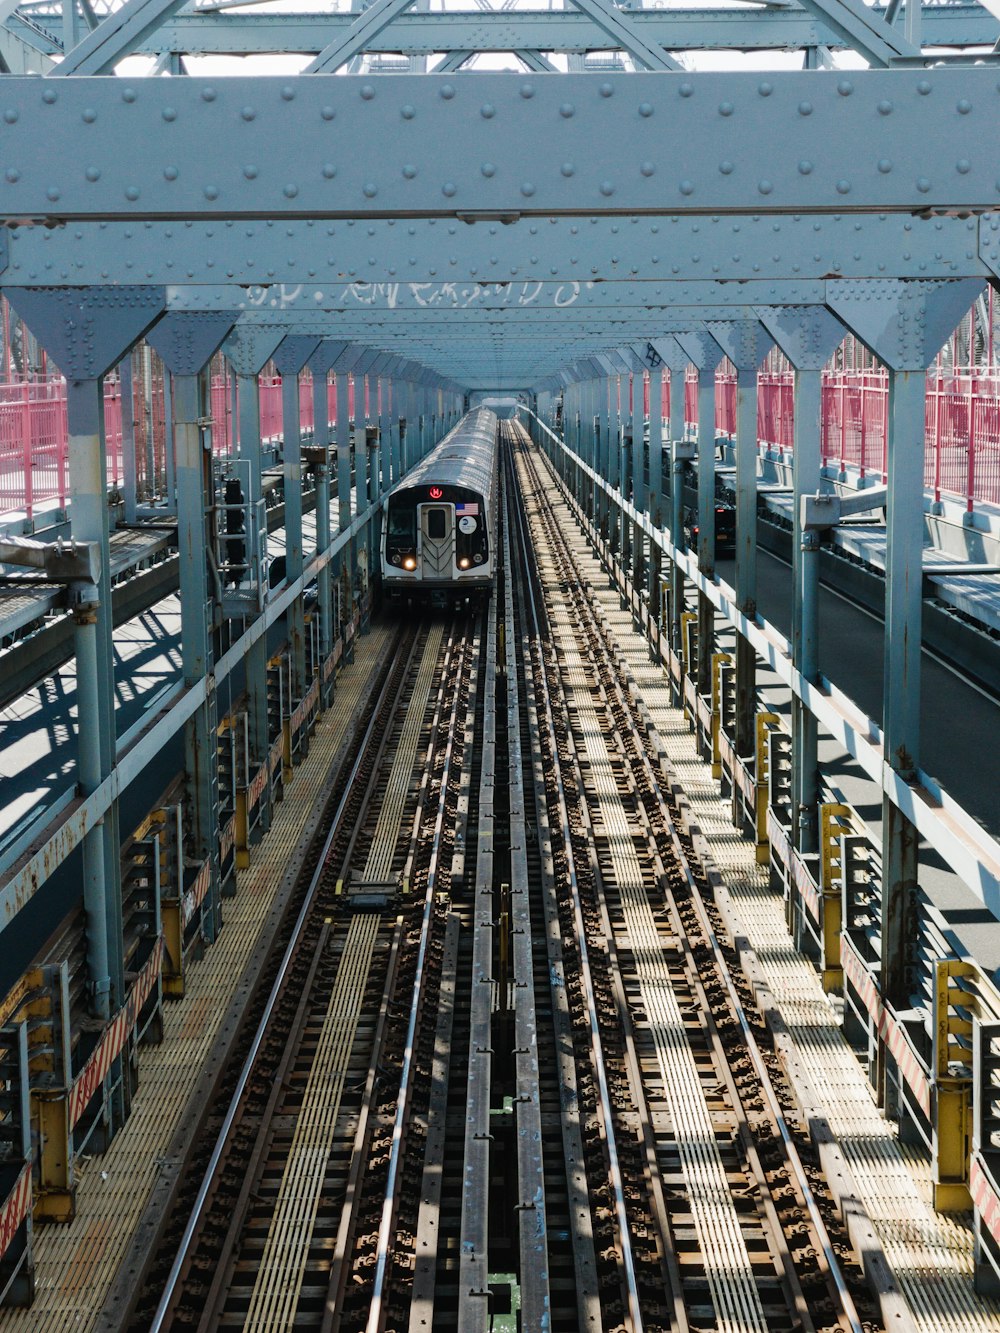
[256,789]
[276,753]
[114,1037]
[985,1196]
[798,873]
[228,838]
[308,701]
[15,1209]
[195,895]
[887,1026]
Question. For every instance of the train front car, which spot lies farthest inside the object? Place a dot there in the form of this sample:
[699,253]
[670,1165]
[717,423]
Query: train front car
[439,527]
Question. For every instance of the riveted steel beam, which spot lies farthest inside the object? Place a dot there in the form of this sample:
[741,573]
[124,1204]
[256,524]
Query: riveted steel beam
[569,31]
[529,299]
[502,145]
[363,258]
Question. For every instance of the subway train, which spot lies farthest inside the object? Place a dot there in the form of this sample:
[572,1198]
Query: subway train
[439,522]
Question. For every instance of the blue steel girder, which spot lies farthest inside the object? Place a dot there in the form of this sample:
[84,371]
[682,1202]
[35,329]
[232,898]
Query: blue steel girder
[669,353]
[903,323]
[248,349]
[872,36]
[548,302]
[326,354]
[293,352]
[502,145]
[359,257]
[745,341]
[186,340]
[86,331]
[115,37]
[808,335]
[366,26]
[465,32]
[702,349]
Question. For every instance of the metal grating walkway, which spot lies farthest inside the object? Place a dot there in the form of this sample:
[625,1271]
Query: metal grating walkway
[76,1264]
[930,1253]
[283,1261]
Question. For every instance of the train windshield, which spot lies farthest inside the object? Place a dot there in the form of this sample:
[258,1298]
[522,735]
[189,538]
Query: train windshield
[402,522]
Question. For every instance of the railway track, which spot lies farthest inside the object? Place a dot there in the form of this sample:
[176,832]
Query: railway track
[287,1228]
[711,1208]
[504,1072]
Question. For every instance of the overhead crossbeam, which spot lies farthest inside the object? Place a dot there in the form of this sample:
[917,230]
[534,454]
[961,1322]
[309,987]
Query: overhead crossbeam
[790,28]
[534,300]
[503,145]
[206,31]
[369,264]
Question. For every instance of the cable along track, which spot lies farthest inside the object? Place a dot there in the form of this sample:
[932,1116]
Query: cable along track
[705,1161]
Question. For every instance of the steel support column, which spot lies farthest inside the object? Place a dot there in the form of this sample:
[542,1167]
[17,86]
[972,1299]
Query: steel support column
[904,323]
[289,359]
[89,522]
[901,696]
[195,494]
[806,471]
[808,336]
[345,450]
[129,478]
[256,660]
[655,498]
[746,344]
[705,354]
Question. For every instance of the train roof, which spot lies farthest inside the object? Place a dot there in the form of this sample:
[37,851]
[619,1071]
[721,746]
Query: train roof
[465,457]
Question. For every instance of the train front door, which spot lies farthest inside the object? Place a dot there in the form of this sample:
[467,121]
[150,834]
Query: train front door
[437,541]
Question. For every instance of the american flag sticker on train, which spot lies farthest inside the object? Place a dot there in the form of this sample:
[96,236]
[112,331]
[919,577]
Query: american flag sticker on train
[464,509]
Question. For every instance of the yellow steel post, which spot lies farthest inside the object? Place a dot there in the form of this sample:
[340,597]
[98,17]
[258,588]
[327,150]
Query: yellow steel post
[765,722]
[173,951]
[952,1104]
[55,1198]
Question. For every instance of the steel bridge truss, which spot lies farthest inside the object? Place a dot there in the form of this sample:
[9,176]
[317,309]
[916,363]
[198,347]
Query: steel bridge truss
[601,213]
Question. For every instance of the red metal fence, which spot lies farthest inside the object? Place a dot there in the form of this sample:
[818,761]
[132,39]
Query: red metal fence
[33,434]
[962,431]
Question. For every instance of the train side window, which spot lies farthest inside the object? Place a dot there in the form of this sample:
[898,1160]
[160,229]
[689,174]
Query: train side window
[437,527]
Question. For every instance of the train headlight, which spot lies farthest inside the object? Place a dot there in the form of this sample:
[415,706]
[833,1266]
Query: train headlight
[397,559]
[464,562]
[409,562]
[478,557]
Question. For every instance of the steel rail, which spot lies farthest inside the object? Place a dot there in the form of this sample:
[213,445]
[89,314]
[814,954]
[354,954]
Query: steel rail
[173,1281]
[673,1280]
[536,1300]
[552,988]
[848,1307]
[374,1323]
[621,1212]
